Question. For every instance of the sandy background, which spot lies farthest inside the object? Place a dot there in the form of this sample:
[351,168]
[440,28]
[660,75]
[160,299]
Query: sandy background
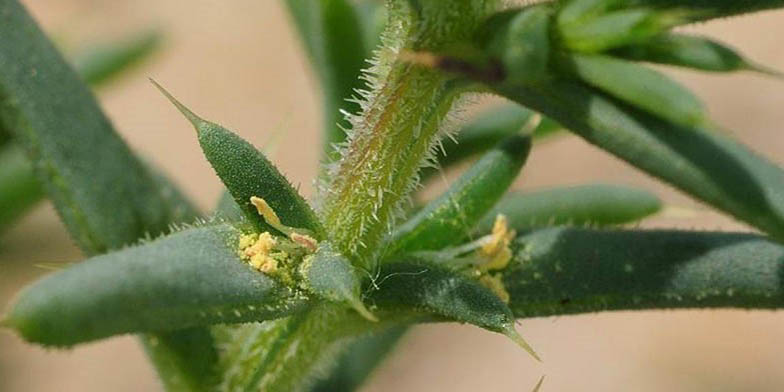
[237,63]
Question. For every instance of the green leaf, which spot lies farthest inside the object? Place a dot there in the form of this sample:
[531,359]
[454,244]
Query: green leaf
[523,42]
[359,359]
[101,63]
[187,279]
[20,189]
[618,28]
[246,172]
[184,359]
[443,293]
[103,193]
[228,209]
[333,37]
[639,86]
[585,205]
[709,9]
[703,163]
[331,276]
[691,52]
[571,270]
[449,219]
[575,11]
[486,130]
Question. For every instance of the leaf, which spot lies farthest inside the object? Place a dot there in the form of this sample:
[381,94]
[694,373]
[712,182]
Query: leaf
[575,11]
[709,9]
[20,189]
[639,86]
[690,52]
[573,270]
[228,209]
[333,37]
[101,63]
[184,359]
[618,28]
[246,173]
[445,293]
[331,276]
[705,164]
[103,193]
[187,279]
[448,220]
[358,360]
[523,42]
[585,205]
[487,130]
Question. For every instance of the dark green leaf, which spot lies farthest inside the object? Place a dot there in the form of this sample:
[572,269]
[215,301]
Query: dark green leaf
[184,359]
[228,209]
[709,9]
[688,51]
[189,278]
[103,193]
[449,219]
[586,205]
[523,42]
[359,360]
[703,163]
[639,86]
[567,270]
[246,172]
[444,293]
[333,37]
[102,63]
[19,190]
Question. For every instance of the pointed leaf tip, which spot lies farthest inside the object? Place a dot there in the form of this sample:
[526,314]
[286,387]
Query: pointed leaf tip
[538,384]
[192,117]
[511,333]
[360,307]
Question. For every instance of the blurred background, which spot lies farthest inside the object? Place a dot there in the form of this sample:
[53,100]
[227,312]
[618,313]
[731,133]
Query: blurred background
[239,63]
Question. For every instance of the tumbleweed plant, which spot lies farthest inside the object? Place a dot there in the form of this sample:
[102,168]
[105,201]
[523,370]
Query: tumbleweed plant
[274,292]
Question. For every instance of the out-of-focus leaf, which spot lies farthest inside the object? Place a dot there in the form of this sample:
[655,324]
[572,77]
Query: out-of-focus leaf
[639,86]
[449,219]
[246,173]
[571,270]
[618,28]
[104,195]
[523,42]
[101,63]
[334,41]
[691,52]
[444,293]
[586,205]
[709,9]
[705,164]
[186,279]
[19,190]
[359,360]
[228,209]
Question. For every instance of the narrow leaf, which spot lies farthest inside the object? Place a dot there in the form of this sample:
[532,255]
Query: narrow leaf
[639,86]
[618,28]
[247,173]
[444,293]
[331,276]
[705,164]
[523,42]
[359,359]
[184,359]
[19,190]
[333,37]
[690,52]
[575,11]
[448,220]
[586,205]
[101,63]
[187,279]
[572,270]
[709,9]
[103,193]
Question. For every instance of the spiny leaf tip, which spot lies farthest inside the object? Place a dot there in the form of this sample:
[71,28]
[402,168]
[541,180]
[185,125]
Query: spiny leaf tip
[192,117]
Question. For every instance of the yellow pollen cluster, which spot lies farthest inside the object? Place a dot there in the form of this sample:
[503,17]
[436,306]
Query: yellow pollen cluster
[496,250]
[256,248]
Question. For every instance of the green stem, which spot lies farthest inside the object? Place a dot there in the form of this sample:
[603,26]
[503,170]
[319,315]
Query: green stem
[398,126]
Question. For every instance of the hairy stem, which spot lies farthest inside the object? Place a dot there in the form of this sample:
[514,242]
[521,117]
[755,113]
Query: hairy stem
[399,124]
